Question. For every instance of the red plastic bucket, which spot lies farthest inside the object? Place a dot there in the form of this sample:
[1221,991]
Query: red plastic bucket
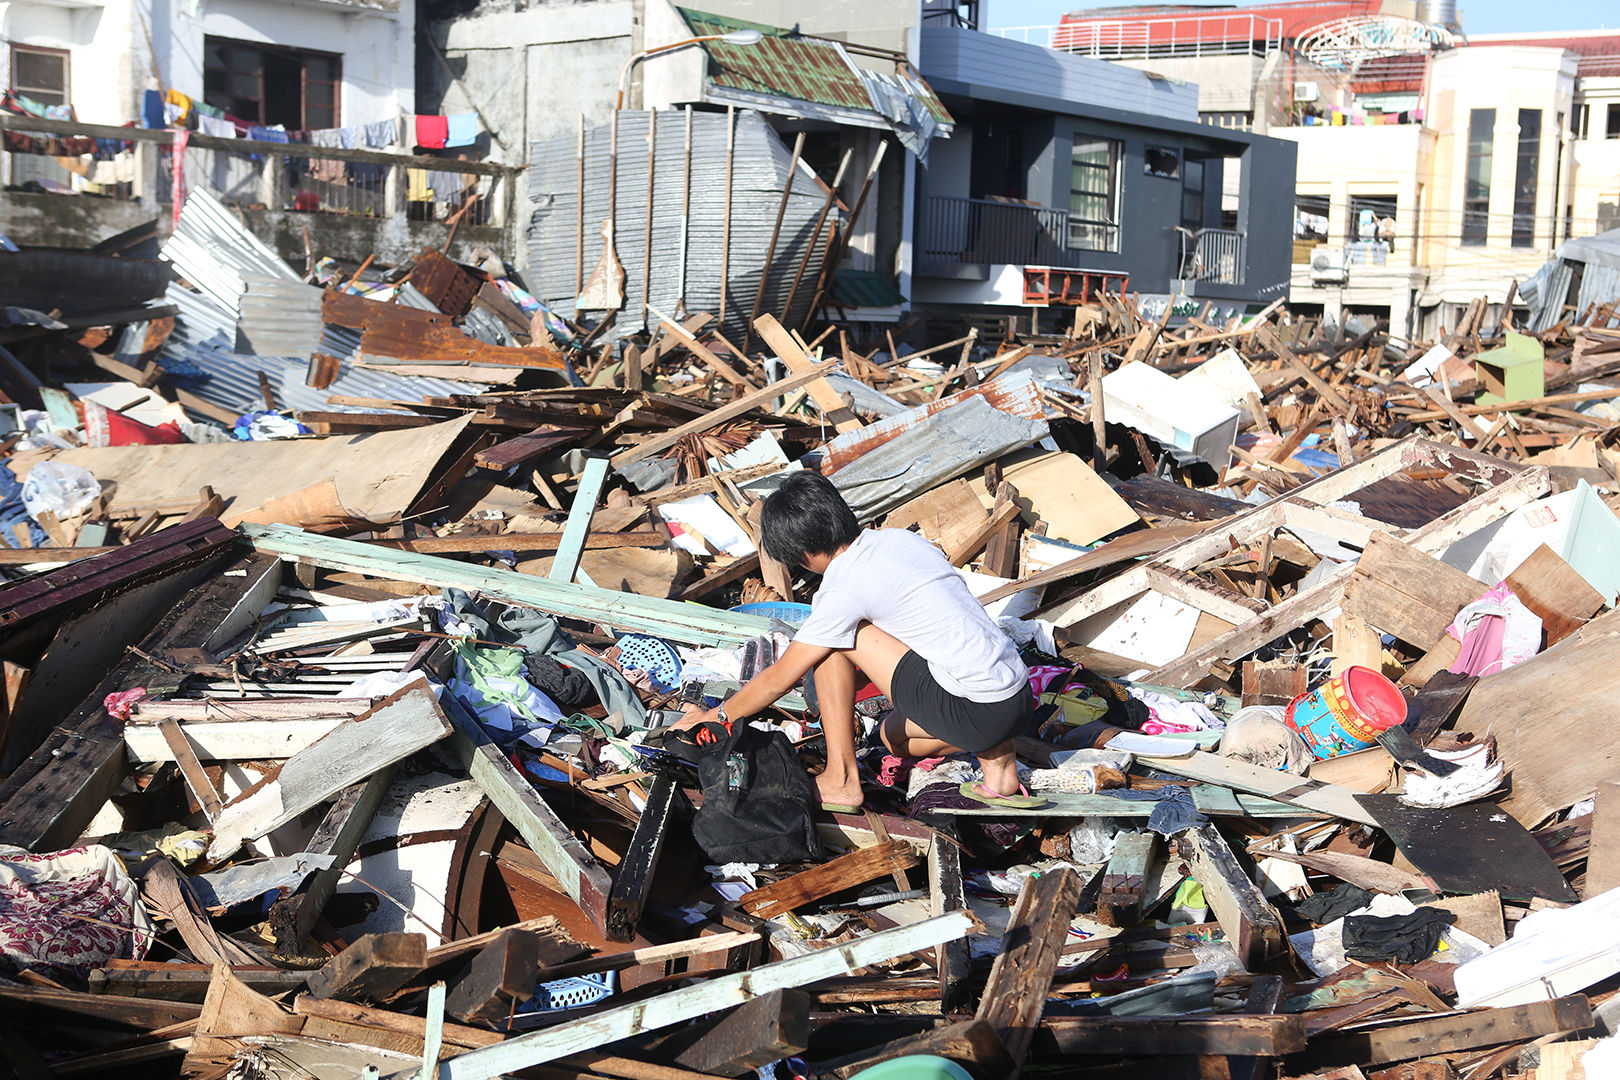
[1347,712]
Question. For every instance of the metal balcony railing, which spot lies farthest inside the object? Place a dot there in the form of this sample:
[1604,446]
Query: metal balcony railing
[1215,256]
[984,231]
[1121,39]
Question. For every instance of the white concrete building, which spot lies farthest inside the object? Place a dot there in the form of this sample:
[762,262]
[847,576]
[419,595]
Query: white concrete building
[305,64]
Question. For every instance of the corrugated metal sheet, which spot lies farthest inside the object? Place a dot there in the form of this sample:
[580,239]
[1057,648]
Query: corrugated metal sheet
[212,250]
[759,174]
[780,64]
[279,317]
[1011,393]
[233,383]
[952,442]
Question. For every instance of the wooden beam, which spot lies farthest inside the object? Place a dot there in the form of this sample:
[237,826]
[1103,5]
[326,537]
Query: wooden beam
[1251,924]
[953,959]
[1119,903]
[1021,977]
[678,332]
[999,518]
[437,545]
[675,1006]
[855,868]
[1447,1034]
[1148,1036]
[633,878]
[1330,397]
[396,728]
[769,1028]
[566,562]
[1405,592]
[972,1044]
[565,857]
[499,977]
[338,835]
[798,362]
[371,968]
[201,788]
[744,404]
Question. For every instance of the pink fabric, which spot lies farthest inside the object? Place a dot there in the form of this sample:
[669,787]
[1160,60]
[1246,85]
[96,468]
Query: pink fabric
[1041,678]
[1481,648]
[117,704]
[895,772]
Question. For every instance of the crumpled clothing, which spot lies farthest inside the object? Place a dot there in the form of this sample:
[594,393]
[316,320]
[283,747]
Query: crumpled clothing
[1496,631]
[569,688]
[491,682]
[1174,813]
[895,771]
[1324,907]
[276,133]
[13,512]
[955,771]
[1171,715]
[69,911]
[1402,938]
[265,425]
[1042,676]
[380,135]
[185,846]
[946,795]
[534,632]
[118,703]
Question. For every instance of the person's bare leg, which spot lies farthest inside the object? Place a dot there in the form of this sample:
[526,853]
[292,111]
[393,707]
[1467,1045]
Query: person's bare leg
[840,782]
[905,738]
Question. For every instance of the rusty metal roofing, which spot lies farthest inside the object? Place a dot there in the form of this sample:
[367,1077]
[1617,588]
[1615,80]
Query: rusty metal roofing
[789,65]
[782,64]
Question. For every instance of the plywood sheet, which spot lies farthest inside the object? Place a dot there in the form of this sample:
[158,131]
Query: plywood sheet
[949,514]
[377,475]
[1062,490]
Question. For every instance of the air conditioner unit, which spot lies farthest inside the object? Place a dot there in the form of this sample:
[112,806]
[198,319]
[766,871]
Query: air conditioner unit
[1306,91]
[1329,266]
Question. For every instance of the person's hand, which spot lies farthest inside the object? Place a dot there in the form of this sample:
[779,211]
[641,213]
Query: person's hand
[695,715]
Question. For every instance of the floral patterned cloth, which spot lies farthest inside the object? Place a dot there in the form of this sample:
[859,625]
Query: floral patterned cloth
[69,911]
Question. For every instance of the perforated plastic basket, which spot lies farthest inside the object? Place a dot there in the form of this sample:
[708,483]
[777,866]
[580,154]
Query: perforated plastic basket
[572,993]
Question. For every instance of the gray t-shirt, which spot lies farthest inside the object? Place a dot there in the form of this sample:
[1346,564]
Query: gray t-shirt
[904,585]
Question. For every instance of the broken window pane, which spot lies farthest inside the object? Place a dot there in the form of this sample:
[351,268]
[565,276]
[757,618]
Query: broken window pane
[1162,161]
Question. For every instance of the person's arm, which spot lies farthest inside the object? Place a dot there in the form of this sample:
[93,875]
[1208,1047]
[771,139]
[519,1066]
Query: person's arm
[765,688]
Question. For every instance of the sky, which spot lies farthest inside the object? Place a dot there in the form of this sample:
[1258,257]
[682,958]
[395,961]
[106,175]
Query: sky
[1477,16]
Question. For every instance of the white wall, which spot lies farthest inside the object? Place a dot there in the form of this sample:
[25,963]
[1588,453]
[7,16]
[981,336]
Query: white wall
[107,68]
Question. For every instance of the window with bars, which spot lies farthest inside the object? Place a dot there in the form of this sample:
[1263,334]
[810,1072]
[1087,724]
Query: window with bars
[1094,195]
[269,84]
[40,74]
[1477,183]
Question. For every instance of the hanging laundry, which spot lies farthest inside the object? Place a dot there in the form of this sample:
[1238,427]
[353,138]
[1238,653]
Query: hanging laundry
[120,170]
[152,109]
[446,185]
[327,170]
[431,132]
[461,129]
[326,137]
[205,109]
[348,137]
[380,135]
[416,184]
[180,102]
[217,126]
[276,134]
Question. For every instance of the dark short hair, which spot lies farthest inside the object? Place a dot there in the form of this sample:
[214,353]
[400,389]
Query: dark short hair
[804,516]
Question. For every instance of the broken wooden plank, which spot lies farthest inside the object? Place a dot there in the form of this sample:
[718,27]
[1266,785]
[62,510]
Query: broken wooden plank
[197,782]
[797,360]
[1252,926]
[953,959]
[1145,1036]
[371,968]
[338,835]
[248,739]
[1311,795]
[397,727]
[855,868]
[565,857]
[633,878]
[1022,974]
[673,1007]
[186,982]
[767,1029]
[1447,1034]
[744,404]
[566,562]
[510,453]
[498,979]
[1407,593]
[972,1044]
[1120,899]
[1559,596]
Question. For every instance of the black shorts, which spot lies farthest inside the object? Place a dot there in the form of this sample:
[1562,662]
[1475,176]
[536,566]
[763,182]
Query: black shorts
[974,726]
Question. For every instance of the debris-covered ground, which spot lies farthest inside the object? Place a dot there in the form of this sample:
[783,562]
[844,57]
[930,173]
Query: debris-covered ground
[347,618]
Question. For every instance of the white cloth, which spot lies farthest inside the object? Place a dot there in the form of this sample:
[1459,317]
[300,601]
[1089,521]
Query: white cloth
[904,585]
[217,126]
[70,910]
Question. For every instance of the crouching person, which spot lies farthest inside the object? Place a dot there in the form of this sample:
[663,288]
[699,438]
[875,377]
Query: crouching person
[891,605]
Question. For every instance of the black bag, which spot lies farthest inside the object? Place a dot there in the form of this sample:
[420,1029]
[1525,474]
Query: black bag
[758,802]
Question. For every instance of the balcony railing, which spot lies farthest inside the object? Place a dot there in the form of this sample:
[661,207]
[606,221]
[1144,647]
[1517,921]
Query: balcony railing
[983,231]
[1215,256]
[1121,39]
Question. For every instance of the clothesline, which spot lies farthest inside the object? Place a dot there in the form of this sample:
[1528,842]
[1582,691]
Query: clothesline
[430,132]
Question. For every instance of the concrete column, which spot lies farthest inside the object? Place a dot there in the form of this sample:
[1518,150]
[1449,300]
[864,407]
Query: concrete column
[146,174]
[1333,304]
[1400,310]
[273,182]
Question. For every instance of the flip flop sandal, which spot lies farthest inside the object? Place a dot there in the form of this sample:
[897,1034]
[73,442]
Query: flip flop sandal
[975,789]
[840,808]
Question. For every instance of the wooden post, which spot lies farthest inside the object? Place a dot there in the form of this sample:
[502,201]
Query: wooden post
[579,215]
[1252,925]
[647,234]
[686,215]
[815,236]
[770,250]
[835,250]
[499,977]
[566,562]
[1099,425]
[769,1028]
[371,968]
[338,835]
[952,959]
